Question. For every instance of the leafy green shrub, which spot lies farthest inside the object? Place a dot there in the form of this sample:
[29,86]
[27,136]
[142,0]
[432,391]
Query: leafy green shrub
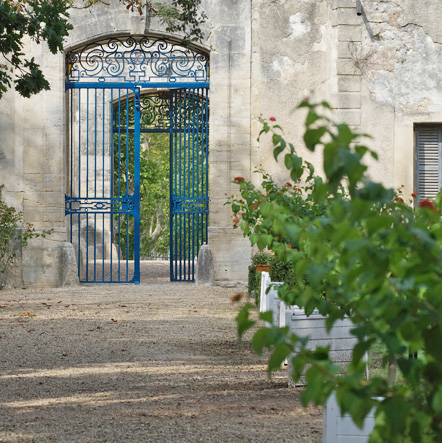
[254,278]
[13,234]
[378,261]
[279,271]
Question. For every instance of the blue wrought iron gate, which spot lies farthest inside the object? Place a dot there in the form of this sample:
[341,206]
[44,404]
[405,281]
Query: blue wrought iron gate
[105,83]
[103,198]
[189,190]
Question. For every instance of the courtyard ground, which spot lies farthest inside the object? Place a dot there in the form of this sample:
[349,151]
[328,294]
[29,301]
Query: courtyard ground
[123,363]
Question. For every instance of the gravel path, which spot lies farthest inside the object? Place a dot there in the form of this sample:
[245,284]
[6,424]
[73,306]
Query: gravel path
[122,363]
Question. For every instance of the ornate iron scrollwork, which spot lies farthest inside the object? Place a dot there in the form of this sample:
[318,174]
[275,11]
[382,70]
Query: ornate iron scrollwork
[154,113]
[136,60]
[124,204]
[191,205]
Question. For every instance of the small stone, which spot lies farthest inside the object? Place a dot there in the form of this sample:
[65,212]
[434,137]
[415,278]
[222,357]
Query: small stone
[204,271]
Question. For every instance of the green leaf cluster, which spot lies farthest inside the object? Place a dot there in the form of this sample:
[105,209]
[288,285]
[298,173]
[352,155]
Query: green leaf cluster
[13,235]
[358,251]
[41,21]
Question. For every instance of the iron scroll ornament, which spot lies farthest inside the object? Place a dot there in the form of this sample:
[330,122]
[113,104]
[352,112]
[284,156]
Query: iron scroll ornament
[136,60]
[121,205]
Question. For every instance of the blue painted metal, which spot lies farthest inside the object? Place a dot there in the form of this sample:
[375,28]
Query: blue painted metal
[107,115]
[189,198]
[103,202]
[137,60]
[142,85]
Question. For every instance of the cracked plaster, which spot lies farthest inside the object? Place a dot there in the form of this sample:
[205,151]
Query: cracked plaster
[399,59]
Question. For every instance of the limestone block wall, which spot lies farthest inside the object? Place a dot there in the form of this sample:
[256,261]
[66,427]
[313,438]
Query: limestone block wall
[381,71]
[230,115]
[292,52]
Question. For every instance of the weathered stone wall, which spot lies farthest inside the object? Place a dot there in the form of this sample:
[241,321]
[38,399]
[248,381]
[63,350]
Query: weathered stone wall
[380,71]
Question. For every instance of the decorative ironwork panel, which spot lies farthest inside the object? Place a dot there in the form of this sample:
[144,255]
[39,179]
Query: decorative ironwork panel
[136,60]
[190,205]
[154,114]
[123,205]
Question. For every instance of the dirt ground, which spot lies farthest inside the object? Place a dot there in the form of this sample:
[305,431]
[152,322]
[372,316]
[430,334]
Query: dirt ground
[155,362]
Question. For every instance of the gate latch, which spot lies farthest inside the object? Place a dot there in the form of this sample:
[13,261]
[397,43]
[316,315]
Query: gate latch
[127,203]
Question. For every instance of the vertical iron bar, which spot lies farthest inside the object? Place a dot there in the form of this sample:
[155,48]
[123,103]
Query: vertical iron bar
[79,250]
[95,186]
[195,98]
[79,144]
[79,177]
[202,135]
[119,180]
[95,247]
[87,247]
[71,155]
[171,184]
[95,146]
[127,247]
[127,181]
[72,143]
[175,167]
[102,194]
[111,184]
[186,179]
[206,91]
[198,161]
[137,187]
[87,144]
[127,141]
[180,179]
[104,251]
[87,183]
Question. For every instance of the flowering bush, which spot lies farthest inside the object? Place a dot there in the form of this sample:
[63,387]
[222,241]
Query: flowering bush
[376,259]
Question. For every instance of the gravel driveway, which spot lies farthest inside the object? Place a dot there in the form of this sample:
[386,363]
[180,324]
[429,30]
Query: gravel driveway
[155,362]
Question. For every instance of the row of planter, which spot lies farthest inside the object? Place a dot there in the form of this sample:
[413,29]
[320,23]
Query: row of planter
[337,427]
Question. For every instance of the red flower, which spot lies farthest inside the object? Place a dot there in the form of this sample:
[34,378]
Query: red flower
[241,201]
[289,184]
[239,179]
[413,195]
[402,200]
[272,119]
[396,199]
[260,201]
[234,226]
[299,179]
[296,189]
[236,220]
[428,204]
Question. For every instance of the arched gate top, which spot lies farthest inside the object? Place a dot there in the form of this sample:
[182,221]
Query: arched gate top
[137,60]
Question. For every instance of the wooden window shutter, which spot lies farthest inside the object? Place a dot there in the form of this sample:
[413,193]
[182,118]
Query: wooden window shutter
[428,161]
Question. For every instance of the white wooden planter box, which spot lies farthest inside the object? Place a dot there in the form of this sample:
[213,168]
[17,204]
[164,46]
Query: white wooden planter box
[339,338]
[269,301]
[338,428]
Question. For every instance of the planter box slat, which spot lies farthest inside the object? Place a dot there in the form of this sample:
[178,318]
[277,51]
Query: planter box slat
[338,428]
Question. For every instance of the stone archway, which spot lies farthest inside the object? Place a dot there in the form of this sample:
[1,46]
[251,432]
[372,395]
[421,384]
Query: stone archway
[104,83]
